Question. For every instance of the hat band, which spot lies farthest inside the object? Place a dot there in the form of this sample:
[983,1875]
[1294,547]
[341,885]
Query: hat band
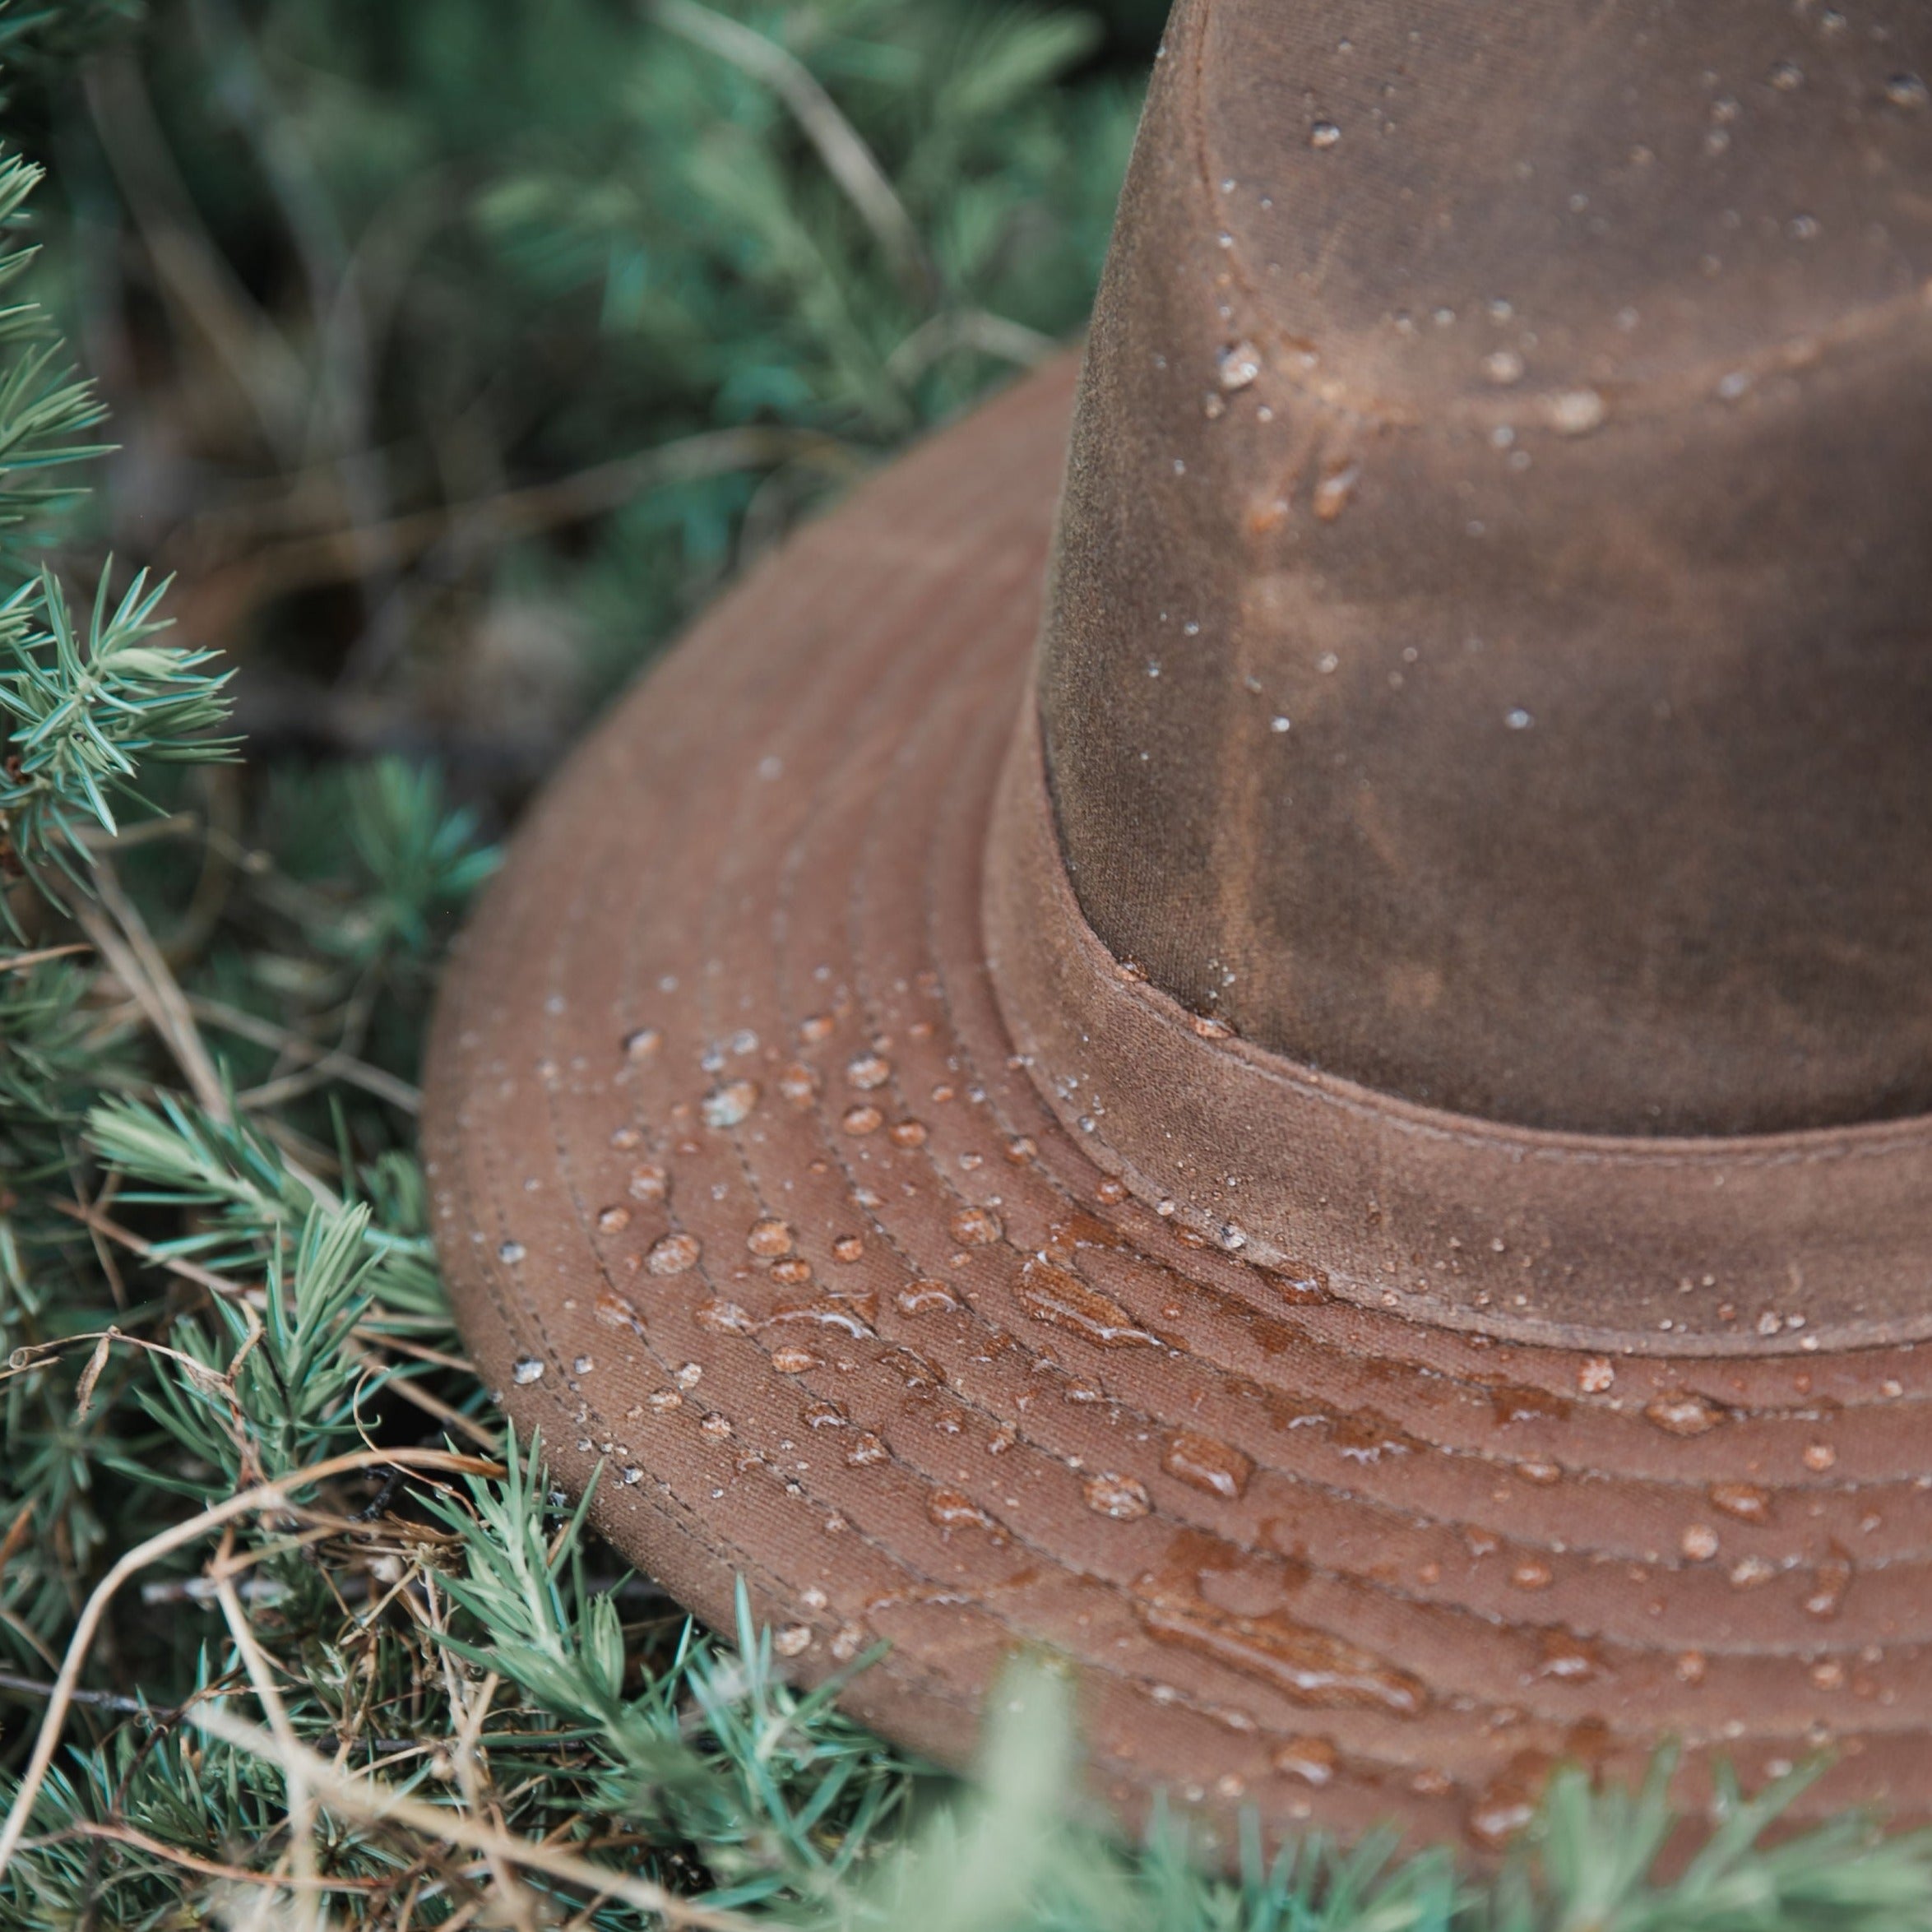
[1776,1243]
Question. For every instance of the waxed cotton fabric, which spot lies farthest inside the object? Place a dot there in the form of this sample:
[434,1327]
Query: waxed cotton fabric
[749,1201]
[1529,406]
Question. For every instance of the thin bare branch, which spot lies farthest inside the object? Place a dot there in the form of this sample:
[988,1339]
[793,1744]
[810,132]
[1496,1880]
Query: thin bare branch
[138,964]
[841,147]
[263,1496]
[321,1062]
[20,963]
[364,1797]
[99,1223]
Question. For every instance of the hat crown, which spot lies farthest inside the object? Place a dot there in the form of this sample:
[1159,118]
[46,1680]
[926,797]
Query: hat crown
[1487,652]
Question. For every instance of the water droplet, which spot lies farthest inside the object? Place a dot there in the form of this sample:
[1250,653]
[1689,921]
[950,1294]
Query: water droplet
[1829,1582]
[848,1247]
[716,1426]
[823,1414]
[633,1475]
[1906,90]
[673,1254]
[1310,1665]
[793,1271]
[1502,366]
[921,1373]
[1680,1412]
[649,1182]
[1324,134]
[1056,1295]
[1314,1760]
[1300,1285]
[510,1251]
[643,1043]
[1511,1401]
[612,1310]
[789,1358]
[862,1119]
[726,1106]
[848,1316]
[1596,1375]
[1786,76]
[1574,412]
[1215,1466]
[723,1317]
[926,1298]
[1569,1658]
[1699,1542]
[1745,1501]
[1238,365]
[1365,1437]
[953,1509]
[1332,493]
[769,1237]
[1117,1496]
[907,1133]
[1509,1802]
[794,1641]
[797,1085]
[528,1368]
[1531,1572]
[868,1071]
[1819,1456]
[1748,1572]
[1279,725]
[976,1226]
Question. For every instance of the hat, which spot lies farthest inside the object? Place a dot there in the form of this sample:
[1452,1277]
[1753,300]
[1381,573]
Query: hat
[1301,1075]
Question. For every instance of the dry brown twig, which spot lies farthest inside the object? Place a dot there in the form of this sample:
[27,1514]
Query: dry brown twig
[300,1849]
[125,943]
[363,1798]
[269,1496]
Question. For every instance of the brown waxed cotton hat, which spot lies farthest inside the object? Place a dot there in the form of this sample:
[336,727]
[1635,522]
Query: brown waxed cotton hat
[1302,1073]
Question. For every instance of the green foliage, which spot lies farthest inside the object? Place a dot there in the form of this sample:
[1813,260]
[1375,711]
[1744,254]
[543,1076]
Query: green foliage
[262,1396]
[88,711]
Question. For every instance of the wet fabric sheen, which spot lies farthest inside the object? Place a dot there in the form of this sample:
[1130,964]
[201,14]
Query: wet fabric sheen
[1532,408]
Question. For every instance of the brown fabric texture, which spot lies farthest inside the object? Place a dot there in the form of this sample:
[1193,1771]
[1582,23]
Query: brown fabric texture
[1327,1115]
[747,1198]
[1532,405]
[1778,1244]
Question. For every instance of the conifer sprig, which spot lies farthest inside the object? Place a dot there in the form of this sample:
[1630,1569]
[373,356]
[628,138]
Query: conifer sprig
[88,708]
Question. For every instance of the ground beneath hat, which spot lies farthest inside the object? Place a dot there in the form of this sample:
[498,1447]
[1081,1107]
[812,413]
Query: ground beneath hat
[745,1201]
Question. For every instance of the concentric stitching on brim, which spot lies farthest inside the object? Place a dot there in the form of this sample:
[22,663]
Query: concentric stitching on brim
[607,849]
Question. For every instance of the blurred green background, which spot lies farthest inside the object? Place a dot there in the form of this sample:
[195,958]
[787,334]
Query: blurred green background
[458,350]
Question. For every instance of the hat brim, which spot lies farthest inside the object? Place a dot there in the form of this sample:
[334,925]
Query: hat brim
[746,1202]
